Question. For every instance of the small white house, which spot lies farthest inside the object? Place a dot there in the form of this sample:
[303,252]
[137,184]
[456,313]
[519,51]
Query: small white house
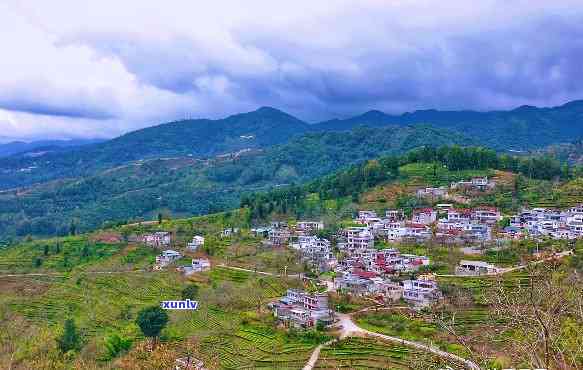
[201,264]
[197,241]
[476,268]
[167,257]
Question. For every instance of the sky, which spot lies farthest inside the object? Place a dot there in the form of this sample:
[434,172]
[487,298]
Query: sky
[97,69]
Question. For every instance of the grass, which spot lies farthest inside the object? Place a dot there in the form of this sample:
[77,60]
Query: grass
[365,353]
[61,255]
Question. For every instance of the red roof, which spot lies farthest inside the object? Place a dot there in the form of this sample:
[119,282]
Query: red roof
[423,210]
[365,274]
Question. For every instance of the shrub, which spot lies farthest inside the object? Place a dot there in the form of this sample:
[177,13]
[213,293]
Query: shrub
[69,340]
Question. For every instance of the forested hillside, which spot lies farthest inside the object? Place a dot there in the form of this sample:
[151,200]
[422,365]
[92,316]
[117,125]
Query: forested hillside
[187,186]
[442,162]
[524,128]
[197,138]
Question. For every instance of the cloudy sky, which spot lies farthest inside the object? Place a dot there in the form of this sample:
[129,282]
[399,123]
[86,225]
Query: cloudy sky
[100,68]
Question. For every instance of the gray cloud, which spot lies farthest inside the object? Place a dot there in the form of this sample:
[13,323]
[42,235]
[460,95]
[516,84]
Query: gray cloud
[106,74]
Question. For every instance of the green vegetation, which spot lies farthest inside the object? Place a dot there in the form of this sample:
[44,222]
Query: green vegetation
[365,353]
[69,340]
[152,320]
[426,165]
[184,186]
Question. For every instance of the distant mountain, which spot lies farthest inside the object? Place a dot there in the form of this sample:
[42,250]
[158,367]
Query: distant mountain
[522,128]
[198,138]
[21,147]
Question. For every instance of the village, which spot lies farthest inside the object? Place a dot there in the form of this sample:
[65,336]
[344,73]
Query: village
[363,258]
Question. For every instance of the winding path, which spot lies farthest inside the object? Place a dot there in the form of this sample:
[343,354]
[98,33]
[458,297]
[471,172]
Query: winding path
[349,328]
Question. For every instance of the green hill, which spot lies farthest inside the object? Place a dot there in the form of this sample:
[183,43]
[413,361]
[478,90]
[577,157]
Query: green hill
[187,186]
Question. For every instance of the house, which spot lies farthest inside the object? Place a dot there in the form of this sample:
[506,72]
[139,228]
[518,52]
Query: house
[476,268]
[389,291]
[363,215]
[167,257]
[158,239]
[197,265]
[227,233]
[279,236]
[459,215]
[487,215]
[197,241]
[394,214]
[421,292]
[444,206]
[424,216]
[354,284]
[309,226]
[201,264]
[317,252]
[302,310]
[480,181]
[262,232]
[432,192]
[359,238]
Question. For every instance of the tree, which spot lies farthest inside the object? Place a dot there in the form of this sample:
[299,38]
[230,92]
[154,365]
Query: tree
[160,218]
[85,251]
[543,318]
[69,340]
[46,250]
[72,228]
[190,292]
[37,262]
[151,321]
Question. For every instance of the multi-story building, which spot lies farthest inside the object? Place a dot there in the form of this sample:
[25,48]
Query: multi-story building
[424,216]
[421,292]
[359,238]
[301,309]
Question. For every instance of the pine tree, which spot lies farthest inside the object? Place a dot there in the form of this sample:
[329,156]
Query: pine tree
[69,340]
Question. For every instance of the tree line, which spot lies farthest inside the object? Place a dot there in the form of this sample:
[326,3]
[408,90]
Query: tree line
[357,178]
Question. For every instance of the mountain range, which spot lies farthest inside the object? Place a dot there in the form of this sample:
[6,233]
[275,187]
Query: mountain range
[198,166]
[35,148]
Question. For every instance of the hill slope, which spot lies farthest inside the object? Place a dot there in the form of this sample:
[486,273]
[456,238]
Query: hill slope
[197,138]
[186,186]
[518,129]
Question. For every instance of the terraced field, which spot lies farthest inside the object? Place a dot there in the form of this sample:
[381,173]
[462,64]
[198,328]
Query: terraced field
[255,349]
[61,255]
[478,286]
[365,353]
[97,301]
